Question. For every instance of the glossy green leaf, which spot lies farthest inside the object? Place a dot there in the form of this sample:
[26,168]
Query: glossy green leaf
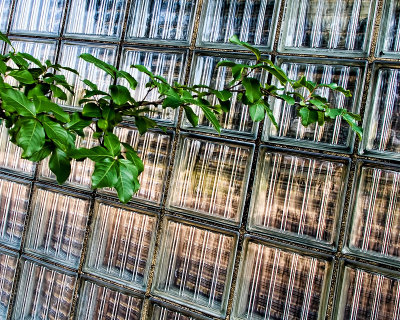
[235,39]
[120,94]
[30,137]
[60,165]
[58,93]
[257,111]
[132,156]
[105,173]
[57,134]
[308,116]
[44,105]
[131,80]
[191,116]
[91,110]
[108,68]
[97,153]
[127,182]
[19,102]
[112,143]
[252,86]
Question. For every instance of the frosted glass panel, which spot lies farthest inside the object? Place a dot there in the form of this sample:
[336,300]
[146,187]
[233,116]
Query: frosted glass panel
[70,53]
[210,178]
[333,135]
[252,21]
[5,6]
[45,17]
[168,64]
[121,245]
[8,266]
[96,18]
[297,195]
[14,198]
[57,227]
[163,20]
[328,27]
[43,293]
[195,266]
[279,284]
[389,35]
[98,302]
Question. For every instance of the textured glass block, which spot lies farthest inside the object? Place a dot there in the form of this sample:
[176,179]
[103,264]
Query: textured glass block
[81,171]
[279,284]
[8,266]
[70,52]
[154,149]
[57,226]
[389,33]
[38,17]
[237,121]
[14,200]
[96,18]
[121,245]
[99,302]
[161,20]
[298,195]
[252,21]
[368,295]
[195,266]
[44,293]
[5,6]
[333,27]
[210,178]
[168,64]
[375,226]
[168,312]
[382,119]
[333,135]
[10,155]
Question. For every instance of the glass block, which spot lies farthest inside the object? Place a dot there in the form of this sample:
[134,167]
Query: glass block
[237,122]
[298,196]
[45,17]
[163,311]
[5,6]
[70,52]
[100,302]
[154,149]
[278,284]
[10,155]
[389,34]
[161,21]
[328,27]
[121,245]
[382,117]
[168,64]
[252,21]
[57,226]
[366,295]
[81,171]
[333,135]
[195,266]
[210,178]
[375,224]
[44,292]
[14,201]
[8,266]
[96,19]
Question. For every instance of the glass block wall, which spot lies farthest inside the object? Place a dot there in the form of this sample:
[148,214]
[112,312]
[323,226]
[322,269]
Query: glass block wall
[255,223]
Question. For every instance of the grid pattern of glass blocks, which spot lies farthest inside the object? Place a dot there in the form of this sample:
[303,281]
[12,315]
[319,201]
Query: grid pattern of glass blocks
[195,266]
[389,33]
[99,302]
[167,312]
[121,245]
[44,293]
[8,267]
[298,195]
[210,178]
[279,284]
[57,226]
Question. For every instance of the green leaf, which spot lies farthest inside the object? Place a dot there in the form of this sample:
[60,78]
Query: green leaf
[226,63]
[132,156]
[57,134]
[335,87]
[41,154]
[19,61]
[308,116]
[77,124]
[108,68]
[223,95]
[23,76]
[29,57]
[90,84]
[112,143]
[319,104]
[102,124]
[333,113]
[234,39]
[30,137]
[120,94]
[4,38]
[191,116]
[277,73]
[3,67]
[127,182]
[270,115]
[131,80]
[289,100]
[96,154]
[211,117]
[172,100]
[19,102]
[353,124]
[144,70]
[60,165]
[44,105]
[144,124]
[321,118]
[257,111]
[252,86]
[91,110]
[70,70]
[58,93]
[105,173]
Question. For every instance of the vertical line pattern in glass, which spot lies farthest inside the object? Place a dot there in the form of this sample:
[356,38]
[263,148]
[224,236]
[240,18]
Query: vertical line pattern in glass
[389,34]
[5,6]
[8,267]
[163,313]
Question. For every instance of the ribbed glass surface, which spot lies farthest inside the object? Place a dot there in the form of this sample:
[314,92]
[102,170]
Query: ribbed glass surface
[389,34]
[41,49]
[252,21]
[368,295]
[168,64]
[333,135]
[99,302]
[298,195]
[121,245]
[5,6]
[14,200]
[195,266]
[96,18]
[237,121]
[383,121]
[210,178]
[160,312]
[38,17]
[57,226]
[8,267]
[70,52]
[328,27]
[165,20]
[43,293]
[376,214]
